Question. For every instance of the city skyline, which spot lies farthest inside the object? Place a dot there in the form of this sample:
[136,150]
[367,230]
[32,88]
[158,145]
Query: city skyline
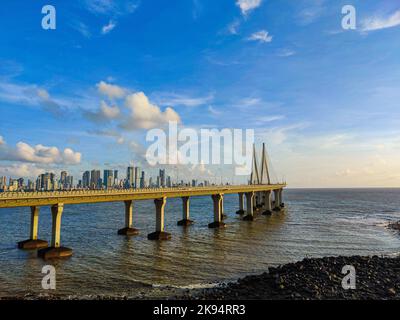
[324,99]
[91,179]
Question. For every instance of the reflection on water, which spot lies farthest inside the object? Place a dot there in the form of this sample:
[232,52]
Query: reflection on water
[315,223]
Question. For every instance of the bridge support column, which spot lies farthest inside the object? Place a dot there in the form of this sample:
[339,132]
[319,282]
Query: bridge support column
[267,203]
[217,204]
[185,212]
[33,242]
[241,204]
[159,234]
[258,197]
[128,230]
[277,203]
[282,204]
[250,206]
[223,215]
[55,250]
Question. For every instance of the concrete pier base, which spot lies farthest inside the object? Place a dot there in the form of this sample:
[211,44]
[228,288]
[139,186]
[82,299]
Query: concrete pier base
[159,235]
[54,252]
[250,206]
[185,222]
[248,217]
[128,231]
[33,244]
[218,207]
[216,224]
[185,213]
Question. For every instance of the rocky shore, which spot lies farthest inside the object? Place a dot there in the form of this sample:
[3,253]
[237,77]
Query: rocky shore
[376,278]
[394,225]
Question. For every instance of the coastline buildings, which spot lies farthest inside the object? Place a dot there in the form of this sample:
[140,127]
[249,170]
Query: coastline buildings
[135,178]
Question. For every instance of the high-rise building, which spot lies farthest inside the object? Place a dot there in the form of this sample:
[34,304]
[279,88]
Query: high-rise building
[137,178]
[86,179]
[142,181]
[115,178]
[63,180]
[162,178]
[130,177]
[95,179]
[108,180]
[169,184]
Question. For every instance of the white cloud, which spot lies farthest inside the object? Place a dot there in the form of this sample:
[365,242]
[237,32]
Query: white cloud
[378,23]
[182,99]
[110,90]
[110,112]
[82,28]
[233,27]
[21,170]
[270,118]
[313,11]
[39,154]
[104,113]
[108,27]
[212,110]
[246,6]
[113,7]
[261,36]
[145,115]
[286,53]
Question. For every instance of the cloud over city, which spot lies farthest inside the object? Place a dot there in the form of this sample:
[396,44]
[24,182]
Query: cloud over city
[39,154]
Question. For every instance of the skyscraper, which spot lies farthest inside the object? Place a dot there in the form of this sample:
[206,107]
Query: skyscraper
[63,179]
[115,178]
[162,178]
[130,176]
[142,181]
[86,179]
[137,177]
[95,179]
[108,180]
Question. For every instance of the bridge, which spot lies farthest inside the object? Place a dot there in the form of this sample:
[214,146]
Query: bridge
[258,197]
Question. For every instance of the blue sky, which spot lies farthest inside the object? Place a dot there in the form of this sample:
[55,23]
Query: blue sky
[326,100]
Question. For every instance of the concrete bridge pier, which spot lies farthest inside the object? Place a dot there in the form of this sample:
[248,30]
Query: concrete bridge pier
[223,215]
[277,202]
[159,234]
[259,201]
[128,230]
[185,210]
[282,204]
[217,203]
[250,206]
[241,204]
[267,203]
[33,242]
[55,250]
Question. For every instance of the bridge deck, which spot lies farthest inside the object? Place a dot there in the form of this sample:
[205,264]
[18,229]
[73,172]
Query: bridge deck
[24,199]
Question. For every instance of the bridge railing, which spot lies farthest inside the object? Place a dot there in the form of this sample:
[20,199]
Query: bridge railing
[61,193]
